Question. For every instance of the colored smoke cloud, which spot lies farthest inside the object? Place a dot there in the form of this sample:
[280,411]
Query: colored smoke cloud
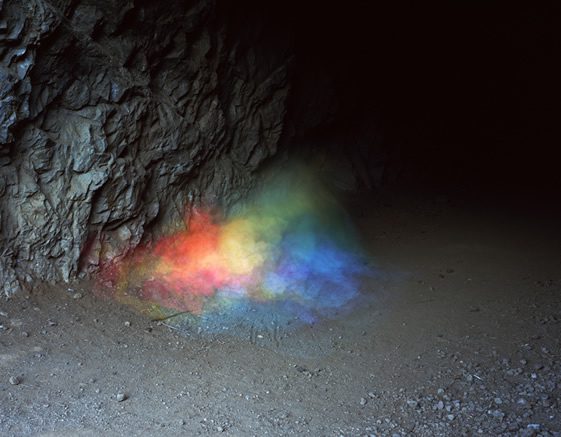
[290,248]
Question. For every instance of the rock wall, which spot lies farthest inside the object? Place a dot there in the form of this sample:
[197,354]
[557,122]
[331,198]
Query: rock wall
[115,114]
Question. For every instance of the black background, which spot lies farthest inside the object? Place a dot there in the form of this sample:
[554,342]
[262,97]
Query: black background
[467,92]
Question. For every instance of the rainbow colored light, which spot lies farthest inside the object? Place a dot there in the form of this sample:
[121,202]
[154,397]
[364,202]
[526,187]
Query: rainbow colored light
[291,245]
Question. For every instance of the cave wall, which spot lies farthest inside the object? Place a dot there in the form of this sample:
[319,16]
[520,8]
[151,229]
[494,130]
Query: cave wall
[115,115]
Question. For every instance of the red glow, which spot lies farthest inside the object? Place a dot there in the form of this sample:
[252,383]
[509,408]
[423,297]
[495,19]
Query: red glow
[190,261]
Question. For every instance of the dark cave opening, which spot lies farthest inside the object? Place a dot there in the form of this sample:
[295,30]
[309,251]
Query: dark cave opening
[460,92]
[157,107]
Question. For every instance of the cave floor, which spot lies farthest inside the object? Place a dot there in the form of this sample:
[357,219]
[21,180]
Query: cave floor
[458,333]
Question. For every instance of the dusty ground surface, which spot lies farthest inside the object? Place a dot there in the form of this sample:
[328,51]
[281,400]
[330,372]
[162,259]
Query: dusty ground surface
[458,334]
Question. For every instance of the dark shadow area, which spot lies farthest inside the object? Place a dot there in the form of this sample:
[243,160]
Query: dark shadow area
[455,96]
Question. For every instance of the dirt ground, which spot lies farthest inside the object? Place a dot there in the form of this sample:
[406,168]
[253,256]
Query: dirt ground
[458,333]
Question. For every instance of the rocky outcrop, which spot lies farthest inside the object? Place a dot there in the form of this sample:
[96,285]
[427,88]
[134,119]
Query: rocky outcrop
[114,115]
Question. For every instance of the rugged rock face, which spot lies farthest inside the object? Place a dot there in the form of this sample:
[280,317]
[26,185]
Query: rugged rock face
[114,115]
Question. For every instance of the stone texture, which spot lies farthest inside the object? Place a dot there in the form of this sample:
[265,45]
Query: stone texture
[115,115]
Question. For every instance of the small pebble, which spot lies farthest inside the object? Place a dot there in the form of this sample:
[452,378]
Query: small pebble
[25,334]
[121,397]
[127,323]
[14,380]
[363,401]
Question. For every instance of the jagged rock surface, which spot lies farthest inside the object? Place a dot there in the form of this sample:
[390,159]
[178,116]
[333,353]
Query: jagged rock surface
[114,115]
